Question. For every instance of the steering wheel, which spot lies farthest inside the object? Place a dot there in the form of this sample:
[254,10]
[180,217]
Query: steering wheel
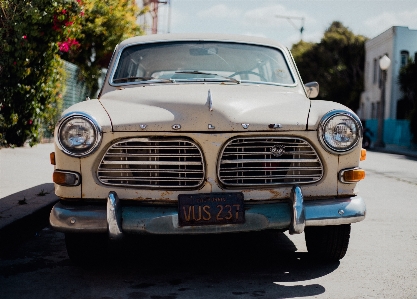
[249,73]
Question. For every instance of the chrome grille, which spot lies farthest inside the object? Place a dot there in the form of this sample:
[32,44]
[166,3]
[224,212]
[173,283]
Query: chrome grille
[152,163]
[264,161]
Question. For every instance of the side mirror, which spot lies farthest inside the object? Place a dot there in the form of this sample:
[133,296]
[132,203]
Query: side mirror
[312,89]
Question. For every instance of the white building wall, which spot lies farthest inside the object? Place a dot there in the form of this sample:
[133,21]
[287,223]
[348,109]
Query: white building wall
[391,42]
[375,48]
[405,39]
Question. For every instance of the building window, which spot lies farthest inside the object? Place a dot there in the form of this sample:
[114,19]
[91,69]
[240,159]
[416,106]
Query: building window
[373,111]
[375,70]
[404,58]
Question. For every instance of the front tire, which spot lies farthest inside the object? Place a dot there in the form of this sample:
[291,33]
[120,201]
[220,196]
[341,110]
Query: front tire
[86,248]
[328,243]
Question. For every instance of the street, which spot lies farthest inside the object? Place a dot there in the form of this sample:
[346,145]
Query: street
[381,261]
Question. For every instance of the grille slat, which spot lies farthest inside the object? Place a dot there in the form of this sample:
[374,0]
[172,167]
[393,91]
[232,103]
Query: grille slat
[269,161]
[153,163]
[237,161]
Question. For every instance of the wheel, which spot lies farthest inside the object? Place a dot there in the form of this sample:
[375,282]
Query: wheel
[249,72]
[328,243]
[86,248]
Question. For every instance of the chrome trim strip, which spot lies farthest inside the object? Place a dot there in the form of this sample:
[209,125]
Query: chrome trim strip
[114,216]
[298,220]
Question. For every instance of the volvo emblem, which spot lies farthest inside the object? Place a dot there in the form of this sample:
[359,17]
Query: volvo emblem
[143,126]
[176,127]
[245,126]
[277,150]
[211,127]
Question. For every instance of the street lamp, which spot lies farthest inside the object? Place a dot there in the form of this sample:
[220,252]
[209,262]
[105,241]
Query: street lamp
[384,64]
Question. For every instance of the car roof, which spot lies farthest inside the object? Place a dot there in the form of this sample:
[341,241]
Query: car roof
[202,37]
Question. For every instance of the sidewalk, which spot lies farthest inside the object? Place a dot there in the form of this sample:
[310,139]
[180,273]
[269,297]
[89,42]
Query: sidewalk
[398,150]
[26,190]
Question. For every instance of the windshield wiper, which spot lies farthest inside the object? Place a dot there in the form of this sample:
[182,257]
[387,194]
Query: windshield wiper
[127,79]
[210,74]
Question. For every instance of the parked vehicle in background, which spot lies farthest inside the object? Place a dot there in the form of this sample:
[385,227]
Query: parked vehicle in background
[206,134]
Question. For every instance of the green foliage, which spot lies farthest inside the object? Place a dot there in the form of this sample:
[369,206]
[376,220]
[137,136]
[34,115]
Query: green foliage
[105,24]
[31,73]
[337,63]
[408,85]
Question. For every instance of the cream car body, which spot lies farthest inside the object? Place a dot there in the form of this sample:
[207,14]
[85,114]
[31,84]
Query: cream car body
[207,114]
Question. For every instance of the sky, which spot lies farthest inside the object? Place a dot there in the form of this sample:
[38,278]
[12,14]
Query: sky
[259,17]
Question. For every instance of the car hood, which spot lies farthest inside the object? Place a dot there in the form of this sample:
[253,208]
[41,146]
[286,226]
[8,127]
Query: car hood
[206,107]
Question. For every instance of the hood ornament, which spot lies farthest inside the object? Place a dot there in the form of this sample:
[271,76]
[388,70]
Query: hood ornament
[176,126]
[209,100]
[143,126]
[277,150]
[245,126]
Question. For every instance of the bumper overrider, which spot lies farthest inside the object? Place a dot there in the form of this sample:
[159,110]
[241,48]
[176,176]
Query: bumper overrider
[117,219]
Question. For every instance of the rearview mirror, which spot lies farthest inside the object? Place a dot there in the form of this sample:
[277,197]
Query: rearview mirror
[312,89]
[203,51]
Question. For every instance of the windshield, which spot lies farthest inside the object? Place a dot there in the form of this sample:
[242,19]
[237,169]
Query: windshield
[202,61]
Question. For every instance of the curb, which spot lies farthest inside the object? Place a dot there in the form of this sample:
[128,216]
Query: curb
[24,213]
[405,152]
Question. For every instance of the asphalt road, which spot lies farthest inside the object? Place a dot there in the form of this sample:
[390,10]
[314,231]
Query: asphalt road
[381,261]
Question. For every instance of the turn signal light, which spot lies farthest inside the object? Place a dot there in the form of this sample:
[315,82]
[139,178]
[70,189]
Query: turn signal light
[363,154]
[66,178]
[352,175]
[52,158]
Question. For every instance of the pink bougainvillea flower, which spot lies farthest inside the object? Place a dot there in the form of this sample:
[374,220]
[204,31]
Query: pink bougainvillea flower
[82,14]
[64,11]
[69,24]
[24,36]
[69,44]
[63,47]
[30,122]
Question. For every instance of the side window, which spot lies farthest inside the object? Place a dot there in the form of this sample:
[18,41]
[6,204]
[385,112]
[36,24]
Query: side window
[404,57]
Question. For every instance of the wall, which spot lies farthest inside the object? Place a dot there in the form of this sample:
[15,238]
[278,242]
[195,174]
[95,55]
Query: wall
[396,131]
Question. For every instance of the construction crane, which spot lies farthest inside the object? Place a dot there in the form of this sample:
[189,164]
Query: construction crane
[300,29]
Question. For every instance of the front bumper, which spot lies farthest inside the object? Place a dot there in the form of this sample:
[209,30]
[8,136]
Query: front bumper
[117,219]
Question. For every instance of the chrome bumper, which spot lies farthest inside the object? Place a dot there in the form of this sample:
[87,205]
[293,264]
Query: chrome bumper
[117,219]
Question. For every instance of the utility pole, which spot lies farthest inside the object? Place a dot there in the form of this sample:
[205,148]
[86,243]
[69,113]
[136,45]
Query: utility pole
[300,29]
[153,10]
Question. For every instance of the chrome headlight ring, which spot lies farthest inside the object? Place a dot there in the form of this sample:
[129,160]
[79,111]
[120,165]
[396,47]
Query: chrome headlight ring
[339,131]
[78,134]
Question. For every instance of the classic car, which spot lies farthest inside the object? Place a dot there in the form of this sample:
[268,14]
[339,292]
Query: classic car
[206,134]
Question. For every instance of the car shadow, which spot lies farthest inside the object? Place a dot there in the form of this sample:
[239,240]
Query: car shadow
[254,259]
[241,265]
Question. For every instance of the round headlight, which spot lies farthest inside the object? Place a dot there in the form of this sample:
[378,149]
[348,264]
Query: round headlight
[339,131]
[78,134]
